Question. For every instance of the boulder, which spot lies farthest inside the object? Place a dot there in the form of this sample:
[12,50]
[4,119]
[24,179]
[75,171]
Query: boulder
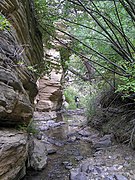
[76,175]
[37,154]
[103,142]
[13,154]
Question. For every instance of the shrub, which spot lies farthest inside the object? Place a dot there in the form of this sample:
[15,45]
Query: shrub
[91,105]
[70,94]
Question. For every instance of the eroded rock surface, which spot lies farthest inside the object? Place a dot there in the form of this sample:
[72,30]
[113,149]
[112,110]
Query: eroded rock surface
[50,93]
[20,48]
[37,154]
[49,98]
[13,154]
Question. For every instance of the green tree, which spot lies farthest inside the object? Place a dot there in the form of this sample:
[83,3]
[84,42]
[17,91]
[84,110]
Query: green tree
[102,34]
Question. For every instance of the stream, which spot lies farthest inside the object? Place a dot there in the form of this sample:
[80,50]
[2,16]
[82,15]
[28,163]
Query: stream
[78,152]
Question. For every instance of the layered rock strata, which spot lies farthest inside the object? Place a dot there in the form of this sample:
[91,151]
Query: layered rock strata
[13,154]
[49,98]
[20,49]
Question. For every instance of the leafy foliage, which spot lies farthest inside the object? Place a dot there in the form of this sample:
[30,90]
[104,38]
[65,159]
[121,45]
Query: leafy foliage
[70,94]
[43,16]
[4,23]
[102,32]
[91,105]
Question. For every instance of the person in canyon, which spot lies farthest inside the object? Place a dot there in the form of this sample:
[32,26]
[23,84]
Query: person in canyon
[77,101]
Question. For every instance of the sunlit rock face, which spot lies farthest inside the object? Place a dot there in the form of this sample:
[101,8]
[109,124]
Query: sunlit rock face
[13,154]
[49,98]
[20,48]
[50,93]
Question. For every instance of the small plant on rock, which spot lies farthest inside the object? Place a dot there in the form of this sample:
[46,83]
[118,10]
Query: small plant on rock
[30,128]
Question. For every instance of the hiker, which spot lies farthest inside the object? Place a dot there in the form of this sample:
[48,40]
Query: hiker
[77,101]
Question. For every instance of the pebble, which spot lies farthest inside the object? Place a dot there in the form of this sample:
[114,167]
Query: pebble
[51,151]
[79,176]
[102,144]
[120,167]
[71,139]
[98,170]
[39,136]
[65,162]
[120,177]
[79,158]
[84,133]
[43,128]
[109,178]
[85,167]
[68,167]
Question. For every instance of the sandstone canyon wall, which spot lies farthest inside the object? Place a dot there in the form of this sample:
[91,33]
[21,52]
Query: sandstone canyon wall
[49,98]
[20,48]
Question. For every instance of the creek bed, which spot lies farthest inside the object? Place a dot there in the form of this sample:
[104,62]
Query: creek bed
[81,152]
[70,149]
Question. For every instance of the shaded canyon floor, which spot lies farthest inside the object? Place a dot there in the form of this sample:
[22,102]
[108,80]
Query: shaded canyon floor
[78,152]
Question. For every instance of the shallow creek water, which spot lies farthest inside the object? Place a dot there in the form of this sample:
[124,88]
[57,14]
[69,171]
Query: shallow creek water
[69,149]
